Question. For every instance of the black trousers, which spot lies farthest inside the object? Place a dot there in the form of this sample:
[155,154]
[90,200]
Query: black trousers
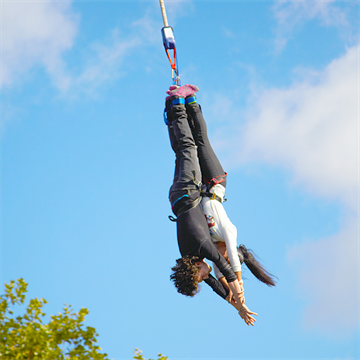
[212,171]
[187,169]
[188,128]
[191,226]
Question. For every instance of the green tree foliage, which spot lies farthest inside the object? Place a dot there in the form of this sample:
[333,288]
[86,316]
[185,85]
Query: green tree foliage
[63,337]
[139,356]
[27,337]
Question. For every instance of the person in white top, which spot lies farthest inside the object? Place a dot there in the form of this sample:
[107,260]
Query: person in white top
[223,232]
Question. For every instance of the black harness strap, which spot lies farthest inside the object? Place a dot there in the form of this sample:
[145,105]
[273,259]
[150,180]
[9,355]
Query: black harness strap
[185,208]
[188,205]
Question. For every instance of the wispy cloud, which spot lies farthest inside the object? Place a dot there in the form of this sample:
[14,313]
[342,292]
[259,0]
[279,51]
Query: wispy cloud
[104,64]
[228,33]
[311,129]
[291,15]
[107,58]
[36,33]
[40,34]
[328,279]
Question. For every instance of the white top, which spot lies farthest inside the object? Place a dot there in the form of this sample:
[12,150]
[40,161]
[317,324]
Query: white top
[221,228]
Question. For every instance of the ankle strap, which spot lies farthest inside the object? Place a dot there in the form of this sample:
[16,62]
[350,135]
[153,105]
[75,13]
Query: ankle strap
[190,100]
[178,101]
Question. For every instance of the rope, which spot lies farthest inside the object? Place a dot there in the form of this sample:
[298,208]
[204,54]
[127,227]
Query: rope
[169,44]
[163,12]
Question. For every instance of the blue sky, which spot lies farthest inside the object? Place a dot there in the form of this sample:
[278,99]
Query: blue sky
[86,166]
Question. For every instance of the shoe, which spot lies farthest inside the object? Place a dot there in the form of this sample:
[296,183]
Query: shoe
[171,88]
[182,91]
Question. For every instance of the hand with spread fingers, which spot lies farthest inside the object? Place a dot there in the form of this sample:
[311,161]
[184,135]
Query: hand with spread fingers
[245,314]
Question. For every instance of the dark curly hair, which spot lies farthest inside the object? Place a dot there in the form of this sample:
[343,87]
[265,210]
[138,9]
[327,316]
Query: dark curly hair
[185,275]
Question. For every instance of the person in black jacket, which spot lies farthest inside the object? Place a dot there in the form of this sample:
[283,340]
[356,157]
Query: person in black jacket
[193,235]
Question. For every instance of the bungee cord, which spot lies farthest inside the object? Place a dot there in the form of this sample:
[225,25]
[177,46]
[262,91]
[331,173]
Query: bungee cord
[169,44]
[163,13]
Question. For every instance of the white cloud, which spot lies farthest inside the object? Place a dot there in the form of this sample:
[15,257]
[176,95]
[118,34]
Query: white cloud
[297,11]
[36,33]
[291,15]
[104,63]
[329,277]
[312,129]
[106,58]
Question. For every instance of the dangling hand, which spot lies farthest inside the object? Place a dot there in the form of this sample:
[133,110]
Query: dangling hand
[245,314]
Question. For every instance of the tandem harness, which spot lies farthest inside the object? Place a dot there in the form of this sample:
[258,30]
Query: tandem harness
[216,180]
[203,193]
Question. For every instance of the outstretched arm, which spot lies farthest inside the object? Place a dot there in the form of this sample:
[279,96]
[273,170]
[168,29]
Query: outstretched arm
[209,251]
[243,310]
[226,286]
[224,291]
[217,286]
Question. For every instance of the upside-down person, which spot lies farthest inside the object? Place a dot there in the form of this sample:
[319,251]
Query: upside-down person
[192,229]
[223,233]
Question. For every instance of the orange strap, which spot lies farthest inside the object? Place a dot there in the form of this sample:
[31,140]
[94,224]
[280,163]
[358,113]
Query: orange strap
[172,63]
